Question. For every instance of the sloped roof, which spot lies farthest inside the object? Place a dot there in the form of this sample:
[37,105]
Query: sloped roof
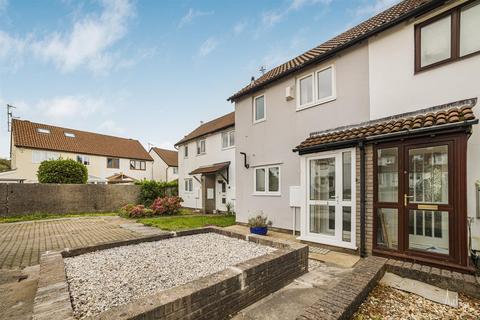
[212,126]
[372,26]
[25,134]
[170,157]
[212,168]
[432,117]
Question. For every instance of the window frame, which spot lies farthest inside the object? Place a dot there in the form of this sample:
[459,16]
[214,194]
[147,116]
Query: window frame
[455,14]
[175,170]
[185,151]
[199,147]
[255,121]
[188,185]
[316,101]
[229,139]
[267,192]
[135,165]
[83,158]
[113,160]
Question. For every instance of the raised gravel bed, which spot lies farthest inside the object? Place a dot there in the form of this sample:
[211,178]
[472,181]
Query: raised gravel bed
[104,279]
[207,273]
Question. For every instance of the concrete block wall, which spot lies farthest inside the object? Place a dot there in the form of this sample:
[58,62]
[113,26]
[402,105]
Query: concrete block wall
[22,199]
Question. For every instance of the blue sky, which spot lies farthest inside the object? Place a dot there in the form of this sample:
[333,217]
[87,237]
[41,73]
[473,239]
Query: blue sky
[150,70]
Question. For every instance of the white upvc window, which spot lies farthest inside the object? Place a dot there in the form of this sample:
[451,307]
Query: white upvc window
[266,180]
[228,139]
[38,156]
[316,88]
[201,147]
[175,170]
[259,109]
[83,159]
[188,185]
[185,151]
[138,165]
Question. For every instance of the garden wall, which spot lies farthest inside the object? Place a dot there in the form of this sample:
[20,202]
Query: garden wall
[21,199]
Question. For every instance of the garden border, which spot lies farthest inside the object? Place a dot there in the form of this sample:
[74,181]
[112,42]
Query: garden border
[216,296]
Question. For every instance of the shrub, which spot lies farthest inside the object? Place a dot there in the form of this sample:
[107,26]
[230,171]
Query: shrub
[151,190]
[65,171]
[167,205]
[229,207]
[259,221]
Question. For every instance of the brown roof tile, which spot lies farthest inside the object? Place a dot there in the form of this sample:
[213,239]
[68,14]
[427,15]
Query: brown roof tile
[454,115]
[170,157]
[212,126]
[378,23]
[25,134]
[211,169]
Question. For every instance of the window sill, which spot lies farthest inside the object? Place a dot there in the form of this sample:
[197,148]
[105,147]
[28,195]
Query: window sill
[228,148]
[265,194]
[316,103]
[259,121]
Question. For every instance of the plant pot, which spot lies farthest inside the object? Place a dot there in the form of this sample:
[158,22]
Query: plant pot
[259,230]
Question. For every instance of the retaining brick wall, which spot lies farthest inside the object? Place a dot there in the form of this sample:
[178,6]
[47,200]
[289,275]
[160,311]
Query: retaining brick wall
[22,199]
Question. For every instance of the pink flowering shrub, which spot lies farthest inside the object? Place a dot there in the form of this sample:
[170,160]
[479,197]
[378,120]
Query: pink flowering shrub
[166,205]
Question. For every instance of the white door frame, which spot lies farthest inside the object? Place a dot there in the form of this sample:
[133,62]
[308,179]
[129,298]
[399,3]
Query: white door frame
[336,239]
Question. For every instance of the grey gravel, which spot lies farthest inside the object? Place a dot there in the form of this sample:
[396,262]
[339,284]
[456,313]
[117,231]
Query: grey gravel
[104,279]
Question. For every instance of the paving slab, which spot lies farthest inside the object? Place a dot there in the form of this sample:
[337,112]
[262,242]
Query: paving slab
[435,294]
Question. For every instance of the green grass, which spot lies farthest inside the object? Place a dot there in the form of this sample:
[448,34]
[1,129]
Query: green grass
[44,216]
[176,223]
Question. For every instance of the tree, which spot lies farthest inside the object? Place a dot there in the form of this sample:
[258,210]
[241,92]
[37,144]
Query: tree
[5,165]
[65,171]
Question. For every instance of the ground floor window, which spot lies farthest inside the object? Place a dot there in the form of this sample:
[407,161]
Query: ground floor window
[417,203]
[330,203]
[188,185]
[267,180]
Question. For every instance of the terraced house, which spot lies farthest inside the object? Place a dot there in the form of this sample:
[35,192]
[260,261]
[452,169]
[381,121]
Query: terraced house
[108,159]
[206,165]
[377,129]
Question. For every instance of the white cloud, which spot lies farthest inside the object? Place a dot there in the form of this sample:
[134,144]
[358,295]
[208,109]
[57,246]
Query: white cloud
[112,128]
[298,4]
[239,27]
[89,40]
[271,18]
[374,8]
[207,47]
[191,15]
[70,107]
[88,43]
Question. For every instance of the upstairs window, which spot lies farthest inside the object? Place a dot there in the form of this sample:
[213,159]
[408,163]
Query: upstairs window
[175,170]
[185,151]
[259,109]
[137,165]
[228,139]
[113,163]
[83,159]
[448,37]
[316,88]
[38,156]
[201,147]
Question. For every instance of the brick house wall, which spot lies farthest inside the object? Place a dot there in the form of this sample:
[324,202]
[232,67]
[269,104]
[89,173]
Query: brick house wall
[369,202]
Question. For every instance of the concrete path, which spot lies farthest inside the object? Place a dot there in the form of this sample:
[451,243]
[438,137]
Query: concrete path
[22,243]
[291,301]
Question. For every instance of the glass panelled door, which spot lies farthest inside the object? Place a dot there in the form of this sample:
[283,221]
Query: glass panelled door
[427,201]
[329,198]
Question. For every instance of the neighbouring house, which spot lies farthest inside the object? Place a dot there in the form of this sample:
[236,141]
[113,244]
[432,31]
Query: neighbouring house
[376,132]
[206,165]
[165,164]
[108,159]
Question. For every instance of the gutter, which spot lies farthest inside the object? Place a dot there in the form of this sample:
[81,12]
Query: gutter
[416,12]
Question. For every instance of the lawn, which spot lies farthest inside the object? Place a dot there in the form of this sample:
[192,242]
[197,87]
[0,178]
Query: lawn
[44,216]
[188,222]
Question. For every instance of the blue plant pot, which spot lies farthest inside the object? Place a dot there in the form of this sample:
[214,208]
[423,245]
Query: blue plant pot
[259,230]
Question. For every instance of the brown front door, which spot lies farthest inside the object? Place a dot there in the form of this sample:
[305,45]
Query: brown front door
[419,199]
[208,195]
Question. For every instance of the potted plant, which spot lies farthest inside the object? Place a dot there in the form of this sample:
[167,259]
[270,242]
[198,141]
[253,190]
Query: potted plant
[259,224]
